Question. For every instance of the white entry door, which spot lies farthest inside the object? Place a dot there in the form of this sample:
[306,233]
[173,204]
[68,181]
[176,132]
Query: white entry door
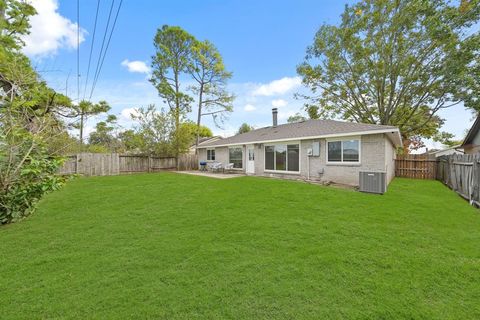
[250,159]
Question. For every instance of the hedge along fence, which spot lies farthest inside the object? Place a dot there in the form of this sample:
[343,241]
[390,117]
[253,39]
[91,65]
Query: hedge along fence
[107,164]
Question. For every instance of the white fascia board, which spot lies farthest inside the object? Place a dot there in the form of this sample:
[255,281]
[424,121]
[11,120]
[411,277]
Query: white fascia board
[333,135]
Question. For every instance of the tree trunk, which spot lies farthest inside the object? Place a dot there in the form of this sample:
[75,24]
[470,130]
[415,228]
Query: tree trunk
[81,132]
[177,121]
[199,118]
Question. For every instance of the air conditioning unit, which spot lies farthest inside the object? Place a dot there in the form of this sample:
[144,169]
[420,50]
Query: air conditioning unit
[373,182]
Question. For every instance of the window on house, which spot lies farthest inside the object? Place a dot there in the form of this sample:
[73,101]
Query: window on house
[235,157]
[351,151]
[282,157]
[269,158]
[251,155]
[210,154]
[343,151]
[293,157]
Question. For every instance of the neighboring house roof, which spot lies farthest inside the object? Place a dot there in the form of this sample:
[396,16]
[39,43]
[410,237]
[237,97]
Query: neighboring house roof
[472,133]
[206,139]
[309,129]
[445,151]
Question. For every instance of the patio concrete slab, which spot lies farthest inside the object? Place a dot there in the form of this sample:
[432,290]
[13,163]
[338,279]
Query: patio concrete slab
[216,175]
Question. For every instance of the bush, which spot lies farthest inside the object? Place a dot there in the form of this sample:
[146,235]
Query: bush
[26,177]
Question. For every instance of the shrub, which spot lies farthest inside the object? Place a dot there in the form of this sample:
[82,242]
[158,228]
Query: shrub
[27,172]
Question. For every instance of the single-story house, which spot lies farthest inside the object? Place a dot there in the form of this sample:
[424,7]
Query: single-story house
[321,150]
[471,143]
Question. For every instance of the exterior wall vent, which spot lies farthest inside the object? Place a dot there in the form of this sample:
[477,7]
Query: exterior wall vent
[373,182]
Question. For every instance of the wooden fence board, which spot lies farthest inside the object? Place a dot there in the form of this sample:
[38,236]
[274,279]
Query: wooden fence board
[107,164]
[460,172]
[415,166]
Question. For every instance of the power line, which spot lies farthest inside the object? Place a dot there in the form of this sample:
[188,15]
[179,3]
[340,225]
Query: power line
[106,48]
[108,44]
[91,50]
[101,48]
[78,50]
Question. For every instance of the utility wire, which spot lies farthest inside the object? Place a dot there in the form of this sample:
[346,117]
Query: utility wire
[106,48]
[101,48]
[91,50]
[78,51]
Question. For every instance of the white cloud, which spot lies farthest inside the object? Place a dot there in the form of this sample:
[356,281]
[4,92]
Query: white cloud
[279,103]
[275,87]
[128,112]
[136,66]
[50,31]
[286,114]
[249,107]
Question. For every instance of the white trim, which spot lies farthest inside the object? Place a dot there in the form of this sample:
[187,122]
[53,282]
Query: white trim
[249,147]
[286,143]
[282,172]
[333,135]
[344,163]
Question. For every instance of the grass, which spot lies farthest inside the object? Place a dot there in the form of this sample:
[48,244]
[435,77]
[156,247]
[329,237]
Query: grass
[171,246]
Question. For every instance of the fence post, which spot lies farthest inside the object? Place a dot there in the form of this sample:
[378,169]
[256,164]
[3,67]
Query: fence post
[149,163]
[76,163]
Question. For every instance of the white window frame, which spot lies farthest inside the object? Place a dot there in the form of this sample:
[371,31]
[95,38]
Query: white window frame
[212,149]
[243,156]
[341,139]
[286,143]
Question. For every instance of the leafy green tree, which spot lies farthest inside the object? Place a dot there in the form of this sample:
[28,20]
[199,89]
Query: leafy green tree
[105,134]
[208,71]
[157,131]
[447,139]
[395,63]
[193,130]
[27,167]
[86,109]
[30,122]
[297,117]
[171,61]
[131,141]
[14,22]
[244,128]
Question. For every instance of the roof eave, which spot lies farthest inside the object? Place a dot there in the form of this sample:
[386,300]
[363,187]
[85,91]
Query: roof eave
[471,133]
[395,132]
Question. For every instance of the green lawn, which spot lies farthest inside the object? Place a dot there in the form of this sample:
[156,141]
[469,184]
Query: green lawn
[172,246]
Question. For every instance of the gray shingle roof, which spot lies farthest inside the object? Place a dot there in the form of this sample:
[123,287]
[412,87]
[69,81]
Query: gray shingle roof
[289,131]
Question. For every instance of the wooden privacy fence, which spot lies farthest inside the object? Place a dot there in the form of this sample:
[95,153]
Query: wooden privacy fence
[107,164]
[135,163]
[416,166]
[461,172]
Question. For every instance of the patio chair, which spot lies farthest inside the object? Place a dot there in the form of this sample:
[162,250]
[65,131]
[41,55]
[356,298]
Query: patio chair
[228,167]
[210,166]
[216,167]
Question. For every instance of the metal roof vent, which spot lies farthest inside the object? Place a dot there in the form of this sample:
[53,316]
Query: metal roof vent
[373,182]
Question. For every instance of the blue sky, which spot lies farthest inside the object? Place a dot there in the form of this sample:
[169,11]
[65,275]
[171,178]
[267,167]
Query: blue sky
[261,43]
